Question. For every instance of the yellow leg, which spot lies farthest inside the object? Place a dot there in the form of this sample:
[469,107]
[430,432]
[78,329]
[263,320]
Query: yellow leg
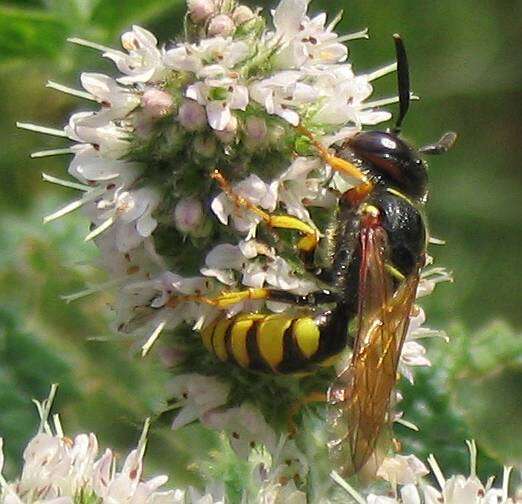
[335,162]
[224,300]
[310,238]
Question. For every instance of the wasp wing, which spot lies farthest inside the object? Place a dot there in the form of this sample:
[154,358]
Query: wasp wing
[362,393]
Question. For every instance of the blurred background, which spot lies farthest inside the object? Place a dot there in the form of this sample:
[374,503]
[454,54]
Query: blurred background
[466,66]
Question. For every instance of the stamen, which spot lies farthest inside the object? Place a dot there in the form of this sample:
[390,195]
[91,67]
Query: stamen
[65,210]
[505,482]
[381,72]
[70,91]
[41,129]
[58,425]
[345,486]
[363,34]
[65,183]
[145,349]
[51,152]
[407,424]
[100,229]
[92,45]
[385,101]
[472,457]
[436,471]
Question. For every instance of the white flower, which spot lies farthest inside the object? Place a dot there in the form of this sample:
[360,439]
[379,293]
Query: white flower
[245,426]
[282,93]
[56,469]
[108,93]
[256,192]
[296,189]
[130,212]
[110,140]
[402,470]
[267,270]
[303,40]
[198,396]
[144,61]
[220,94]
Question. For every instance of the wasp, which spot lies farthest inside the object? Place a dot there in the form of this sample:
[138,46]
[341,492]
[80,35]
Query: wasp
[379,247]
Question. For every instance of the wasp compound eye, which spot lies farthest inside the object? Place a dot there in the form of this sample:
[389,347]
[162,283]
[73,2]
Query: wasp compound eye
[390,158]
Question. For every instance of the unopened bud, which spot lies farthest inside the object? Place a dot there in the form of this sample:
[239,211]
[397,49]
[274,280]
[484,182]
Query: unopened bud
[242,14]
[192,116]
[205,146]
[188,215]
[221,25]
[256,129]
[200,10]
[156,103]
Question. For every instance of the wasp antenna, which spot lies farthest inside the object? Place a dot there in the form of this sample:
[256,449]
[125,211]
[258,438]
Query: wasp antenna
[445,143]
[403,80]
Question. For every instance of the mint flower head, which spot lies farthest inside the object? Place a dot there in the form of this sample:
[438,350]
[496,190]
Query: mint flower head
[178,129]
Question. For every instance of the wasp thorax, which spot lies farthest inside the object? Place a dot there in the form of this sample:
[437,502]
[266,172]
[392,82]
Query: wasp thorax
[392,159]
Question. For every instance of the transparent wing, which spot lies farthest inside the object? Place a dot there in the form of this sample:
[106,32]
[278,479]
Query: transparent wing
[362,393]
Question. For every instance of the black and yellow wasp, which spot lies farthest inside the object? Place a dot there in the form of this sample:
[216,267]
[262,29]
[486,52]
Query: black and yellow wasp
[379,249]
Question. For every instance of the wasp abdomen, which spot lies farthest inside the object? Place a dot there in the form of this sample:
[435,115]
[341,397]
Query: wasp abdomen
[261,342]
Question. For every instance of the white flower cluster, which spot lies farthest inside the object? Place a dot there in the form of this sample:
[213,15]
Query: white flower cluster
[143,161]
[227,86]
[405,476]
[60,470]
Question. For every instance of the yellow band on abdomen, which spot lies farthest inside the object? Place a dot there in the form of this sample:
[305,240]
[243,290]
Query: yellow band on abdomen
[270,334]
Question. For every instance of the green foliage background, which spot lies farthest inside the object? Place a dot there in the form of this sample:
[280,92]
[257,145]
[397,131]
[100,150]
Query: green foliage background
[467,69]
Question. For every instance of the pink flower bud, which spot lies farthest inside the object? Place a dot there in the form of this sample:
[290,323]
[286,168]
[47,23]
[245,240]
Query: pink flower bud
[221,25]
[256,129]
[192,116]
[200,10]
[188,215]
[156,103]
[242,14]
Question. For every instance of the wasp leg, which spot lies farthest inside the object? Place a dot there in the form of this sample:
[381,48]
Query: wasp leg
[297,406]
[223,301]
[227,299]
[311,235]
[335,162]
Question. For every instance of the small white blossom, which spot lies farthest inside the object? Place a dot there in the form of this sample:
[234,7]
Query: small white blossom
[119,99]
[220,94]
[303,40]
[144,61]
[198,396]
[256,192]
[246,428]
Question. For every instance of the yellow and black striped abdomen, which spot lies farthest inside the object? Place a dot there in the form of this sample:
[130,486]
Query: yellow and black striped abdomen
[269,343]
